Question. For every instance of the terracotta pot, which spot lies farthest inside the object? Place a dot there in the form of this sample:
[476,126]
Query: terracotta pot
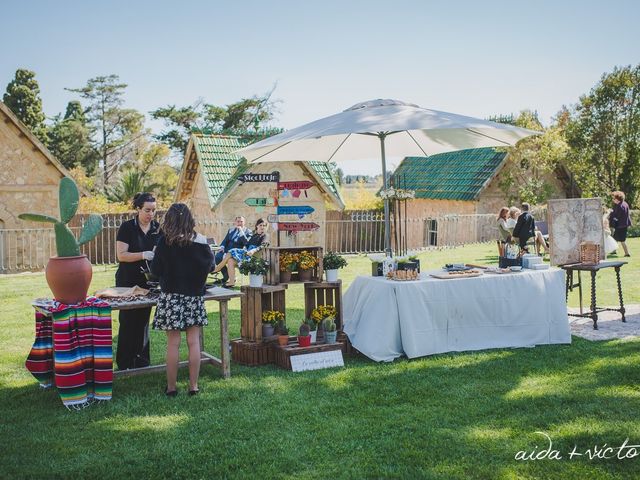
[304,341]
[69,278]
[285,277]
[283,340]
[304,275]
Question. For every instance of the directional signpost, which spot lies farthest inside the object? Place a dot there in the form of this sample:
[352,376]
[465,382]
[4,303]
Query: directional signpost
[259,177]
[259,202]
[297,226]
[300,185]
[294,210]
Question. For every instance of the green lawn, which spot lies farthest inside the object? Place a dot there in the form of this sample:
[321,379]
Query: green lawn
[447,416]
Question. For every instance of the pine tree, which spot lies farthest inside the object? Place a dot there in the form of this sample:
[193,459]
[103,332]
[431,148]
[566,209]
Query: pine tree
[23,98]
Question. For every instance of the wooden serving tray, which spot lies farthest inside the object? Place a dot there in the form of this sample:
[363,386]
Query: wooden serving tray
[448,275]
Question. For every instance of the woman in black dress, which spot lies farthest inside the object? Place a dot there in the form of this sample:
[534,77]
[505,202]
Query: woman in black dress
[135,242]
[620,220]
[183,260]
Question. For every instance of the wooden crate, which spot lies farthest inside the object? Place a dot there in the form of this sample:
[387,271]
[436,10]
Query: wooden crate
[272,255]
[282,355]
[251,353]
[324,293]
[256,300]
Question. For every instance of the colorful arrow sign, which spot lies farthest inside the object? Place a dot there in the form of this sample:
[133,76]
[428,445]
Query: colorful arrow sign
[297,226]
[295,210]
[300,185]
[259,177]
[259,202]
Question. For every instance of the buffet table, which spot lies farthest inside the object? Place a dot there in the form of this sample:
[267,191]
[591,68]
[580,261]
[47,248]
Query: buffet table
[221,295]
[386,319]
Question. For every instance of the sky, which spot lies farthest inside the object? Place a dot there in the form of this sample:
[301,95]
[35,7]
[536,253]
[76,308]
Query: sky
[467,57]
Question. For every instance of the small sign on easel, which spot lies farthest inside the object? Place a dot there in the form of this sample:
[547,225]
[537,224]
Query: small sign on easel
[317,361]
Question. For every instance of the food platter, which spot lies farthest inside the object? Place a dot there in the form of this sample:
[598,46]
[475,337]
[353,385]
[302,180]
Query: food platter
[457,274]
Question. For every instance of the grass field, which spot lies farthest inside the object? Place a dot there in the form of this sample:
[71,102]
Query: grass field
[463,415]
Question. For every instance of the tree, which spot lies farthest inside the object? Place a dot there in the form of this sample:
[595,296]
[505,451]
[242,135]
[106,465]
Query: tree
[116,129]
[525,177]
[236,118]
[23,98]
[603,133]
[70,140]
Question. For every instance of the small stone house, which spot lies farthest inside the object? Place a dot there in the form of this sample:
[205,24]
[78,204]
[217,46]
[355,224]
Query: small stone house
[210,184]
[464,182]
[29,173]
[29,177]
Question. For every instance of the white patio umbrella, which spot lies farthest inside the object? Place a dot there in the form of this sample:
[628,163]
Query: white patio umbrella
[379,128]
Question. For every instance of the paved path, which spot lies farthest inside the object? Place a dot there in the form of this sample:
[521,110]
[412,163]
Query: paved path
[609,325]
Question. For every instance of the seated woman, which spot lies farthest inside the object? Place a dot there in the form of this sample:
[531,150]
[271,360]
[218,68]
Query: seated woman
[239,255]
[503,231]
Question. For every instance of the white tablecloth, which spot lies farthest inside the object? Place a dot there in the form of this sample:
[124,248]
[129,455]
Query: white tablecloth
[385,319]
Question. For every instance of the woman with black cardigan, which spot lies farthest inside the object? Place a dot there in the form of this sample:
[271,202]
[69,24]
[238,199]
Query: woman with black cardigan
[182,261]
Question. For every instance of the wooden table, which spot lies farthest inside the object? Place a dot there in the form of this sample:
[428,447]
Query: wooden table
[221,295]
[594,269]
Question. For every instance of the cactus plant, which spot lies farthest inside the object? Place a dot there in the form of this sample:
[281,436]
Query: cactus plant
[329,325]
[304,330]
[66,243]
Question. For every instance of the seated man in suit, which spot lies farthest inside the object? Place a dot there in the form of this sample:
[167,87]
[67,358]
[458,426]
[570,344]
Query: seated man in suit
[237,237]
[525,227]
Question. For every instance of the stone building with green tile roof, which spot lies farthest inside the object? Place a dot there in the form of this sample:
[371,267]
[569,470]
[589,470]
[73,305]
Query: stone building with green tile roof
[464,182]
[209,184]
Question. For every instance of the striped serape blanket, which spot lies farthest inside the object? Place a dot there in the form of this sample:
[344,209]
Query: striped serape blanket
[73,348]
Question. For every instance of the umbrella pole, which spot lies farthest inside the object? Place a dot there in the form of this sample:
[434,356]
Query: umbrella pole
[387,223]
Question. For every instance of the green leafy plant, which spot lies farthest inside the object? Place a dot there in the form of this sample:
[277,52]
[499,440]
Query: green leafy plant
[311,324]
[333,261]
[282,328]
[254,266]
[329,325]
[66,243]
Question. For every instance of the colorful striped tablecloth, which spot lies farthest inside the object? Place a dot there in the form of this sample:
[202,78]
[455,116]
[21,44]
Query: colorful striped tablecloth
[73,350]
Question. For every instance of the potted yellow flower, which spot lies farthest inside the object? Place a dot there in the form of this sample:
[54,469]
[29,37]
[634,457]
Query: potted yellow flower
[306,263]
[288,264]
[269,320]
[322,312]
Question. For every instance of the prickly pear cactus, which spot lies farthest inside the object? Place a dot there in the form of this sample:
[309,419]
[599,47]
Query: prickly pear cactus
[66,243]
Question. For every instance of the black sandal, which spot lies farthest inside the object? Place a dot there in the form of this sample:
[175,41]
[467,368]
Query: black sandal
[170,394]
[194,392]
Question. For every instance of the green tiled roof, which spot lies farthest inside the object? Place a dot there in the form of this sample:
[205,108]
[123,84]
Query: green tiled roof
[221,167]
[449,176]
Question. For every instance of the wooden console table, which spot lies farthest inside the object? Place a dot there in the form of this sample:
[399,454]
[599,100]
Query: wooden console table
[594,269]
[221,295]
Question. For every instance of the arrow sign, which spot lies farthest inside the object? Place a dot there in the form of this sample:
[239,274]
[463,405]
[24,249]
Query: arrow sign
[297,226]
[272,218]
[259,202]
[259,177]
[295,210]
[301,185]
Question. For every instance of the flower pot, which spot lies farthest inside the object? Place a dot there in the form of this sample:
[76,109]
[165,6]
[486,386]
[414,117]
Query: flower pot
[330,337]
[304,275]
[69,278]
[283,340]
[285,277]
[255,280]
[304,341]
[313,334]
[267,330]
[332,275]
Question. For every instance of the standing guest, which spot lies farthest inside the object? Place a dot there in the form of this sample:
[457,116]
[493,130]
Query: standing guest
[525,227]
[620,220]
[504,233]
[239,255]
[237,237]
[135,242]
[610,245]
[182,262]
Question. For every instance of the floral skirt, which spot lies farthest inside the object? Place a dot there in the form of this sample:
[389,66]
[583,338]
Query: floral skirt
[175,311]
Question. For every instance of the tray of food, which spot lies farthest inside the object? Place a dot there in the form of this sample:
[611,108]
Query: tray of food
[403,275]
[457,274]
